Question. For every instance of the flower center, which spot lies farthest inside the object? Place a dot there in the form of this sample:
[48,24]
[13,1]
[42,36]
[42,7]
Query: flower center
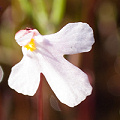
[31,45]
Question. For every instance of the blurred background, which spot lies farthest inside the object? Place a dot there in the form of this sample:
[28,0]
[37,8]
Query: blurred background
[102,63]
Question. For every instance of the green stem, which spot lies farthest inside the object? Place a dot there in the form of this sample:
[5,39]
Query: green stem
[58,11]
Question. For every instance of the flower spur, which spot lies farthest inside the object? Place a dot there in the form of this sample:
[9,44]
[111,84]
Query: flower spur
[44,54]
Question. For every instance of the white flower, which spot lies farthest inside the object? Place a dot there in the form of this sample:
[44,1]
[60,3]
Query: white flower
[1,74]
[44,54]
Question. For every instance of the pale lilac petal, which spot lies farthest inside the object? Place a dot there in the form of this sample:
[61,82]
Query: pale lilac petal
[25,76]
[68,82]
[23,37]
[1,74]
[72,38]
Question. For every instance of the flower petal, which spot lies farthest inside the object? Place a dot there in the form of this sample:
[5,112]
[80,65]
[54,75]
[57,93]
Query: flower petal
[25,76]
[68,82]
[72,38]
[23,37]
[1,74]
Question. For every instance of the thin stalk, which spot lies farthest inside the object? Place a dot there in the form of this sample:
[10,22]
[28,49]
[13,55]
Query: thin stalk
[40,99]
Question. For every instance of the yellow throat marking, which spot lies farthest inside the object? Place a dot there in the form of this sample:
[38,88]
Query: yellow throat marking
[31,45]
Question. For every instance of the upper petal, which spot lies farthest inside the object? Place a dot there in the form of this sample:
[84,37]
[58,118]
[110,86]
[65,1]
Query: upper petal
[72,38]
[23,37]
[25,76]
[68,82]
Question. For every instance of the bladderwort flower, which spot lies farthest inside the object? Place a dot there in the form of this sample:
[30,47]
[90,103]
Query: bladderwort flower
[1,74]
[45,54]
